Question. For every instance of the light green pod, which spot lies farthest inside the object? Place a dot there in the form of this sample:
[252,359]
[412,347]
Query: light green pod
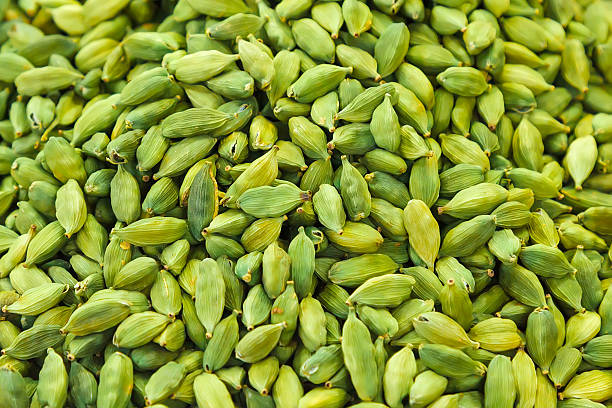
[70,207]
[379,321]
[193,327]
[313,39]
[475,200]
[389,218]
[174,256]
[256,201]
[139,328]
[230,223]
[333,298]
[459,149]
[385,126]
[285,309]
[478,35]
[287,70]
[33,342]
[287,389]
[357,16]
[124,185]
[8,333]
[449,362]
[202,200]
[261,233]
[324,109]
[161,198]
[397,288]
[348,90]
[238,24]
[522,284]
[542,229]
[541,258]
[258,343]
[137,274]
[593,385]
[115,257]
[586,276]
[427,387]
[383,160]
[164,382]
[256,62]
[564,365]
[580,159]
[260,172]
[427,285]
[417,219]
[64,161]
[116,381]
[276,269]
[462,113]
[152,231]
[39,81]
[541,337]
[499,386]
[210,295]
[201,121]
[364,65]
[256,307]
[463,81]
[387,187]
[354,191]
[460,177]
[263,374]
[441,329]
[185,68]
[354,138]
[465,238]
[398,377]
[82,346]
[324,397]
[447,21]
[312,324]
[302,253]
[52,389]
[362,105]
[17,250]
[304,90]
[574,65]
[525,379]
[546,393]
[456,303]
[38,299]
[424,180]
[83,385]
[328,206]
[411,110]
[581,328]
[25,279]
[166,294]
[361,364]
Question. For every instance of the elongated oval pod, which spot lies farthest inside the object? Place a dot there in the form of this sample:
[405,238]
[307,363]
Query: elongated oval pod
[541,335]
[258,343]
[398,376]
[210,295]
[500,390]
[52,389]
[358,352]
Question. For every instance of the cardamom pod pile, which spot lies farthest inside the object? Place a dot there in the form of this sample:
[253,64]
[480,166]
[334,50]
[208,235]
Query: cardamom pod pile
[306,204]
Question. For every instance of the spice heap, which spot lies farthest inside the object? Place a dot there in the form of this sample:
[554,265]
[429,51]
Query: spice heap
[298,204]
